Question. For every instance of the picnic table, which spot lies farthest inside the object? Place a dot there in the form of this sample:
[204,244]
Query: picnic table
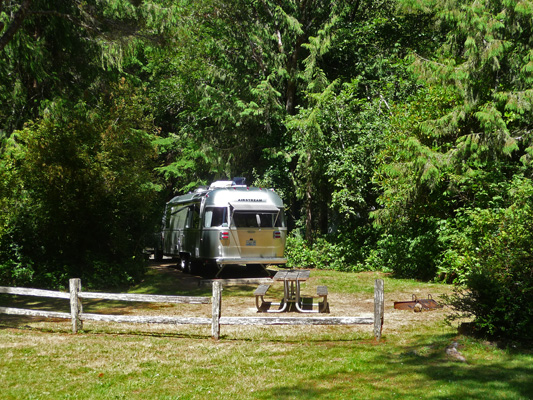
[291,293]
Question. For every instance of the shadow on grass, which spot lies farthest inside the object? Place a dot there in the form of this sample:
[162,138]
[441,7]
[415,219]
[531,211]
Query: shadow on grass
[161,279]
[22,321]
[165,278]
[33,302]
[110,307]
[410,372]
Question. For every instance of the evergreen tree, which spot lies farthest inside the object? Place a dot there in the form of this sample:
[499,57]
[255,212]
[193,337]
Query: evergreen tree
[469,127]
[77,193]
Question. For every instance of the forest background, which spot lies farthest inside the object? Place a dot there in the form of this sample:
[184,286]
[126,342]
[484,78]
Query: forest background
[398,133]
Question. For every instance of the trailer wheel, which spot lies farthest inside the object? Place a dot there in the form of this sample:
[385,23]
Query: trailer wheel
[158,254]
[185,264]
[193,267]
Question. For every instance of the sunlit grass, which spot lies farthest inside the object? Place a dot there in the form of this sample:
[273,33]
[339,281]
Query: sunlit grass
[121,365]
[41,359]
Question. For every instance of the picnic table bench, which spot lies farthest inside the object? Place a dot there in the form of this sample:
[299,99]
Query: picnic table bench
[291,294]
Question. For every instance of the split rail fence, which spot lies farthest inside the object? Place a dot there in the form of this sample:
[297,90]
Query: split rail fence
[77,316]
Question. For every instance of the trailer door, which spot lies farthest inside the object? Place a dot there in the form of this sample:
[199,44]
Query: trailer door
[174,237]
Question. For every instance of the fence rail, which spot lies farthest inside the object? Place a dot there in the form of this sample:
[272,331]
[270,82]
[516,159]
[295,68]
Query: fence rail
[148,298]
[34,313]
[296,321]
[77,315]
[34,292]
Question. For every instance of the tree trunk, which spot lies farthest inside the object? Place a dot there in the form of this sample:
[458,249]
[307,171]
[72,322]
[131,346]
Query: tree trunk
[309,204]
[292,68]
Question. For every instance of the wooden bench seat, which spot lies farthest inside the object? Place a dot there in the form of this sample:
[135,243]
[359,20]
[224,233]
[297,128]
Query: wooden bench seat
[261,290]
[259,294]
[322,291]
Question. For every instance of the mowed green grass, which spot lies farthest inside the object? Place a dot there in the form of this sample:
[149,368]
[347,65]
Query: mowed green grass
[41,359]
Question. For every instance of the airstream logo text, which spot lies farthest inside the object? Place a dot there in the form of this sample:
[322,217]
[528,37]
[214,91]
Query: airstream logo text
[252,200]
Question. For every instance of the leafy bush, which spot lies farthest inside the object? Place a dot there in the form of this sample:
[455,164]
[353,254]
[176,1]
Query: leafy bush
[115,274]
[459,237]
[408,251]
[496,266]
[357,246]
[341,253]
[15,269]
[76,193]
[321,255]
[366,248]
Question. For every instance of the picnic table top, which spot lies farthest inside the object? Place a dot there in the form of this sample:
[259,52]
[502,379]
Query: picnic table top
[292,275]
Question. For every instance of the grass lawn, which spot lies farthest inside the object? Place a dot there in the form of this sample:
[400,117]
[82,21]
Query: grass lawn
[41,359]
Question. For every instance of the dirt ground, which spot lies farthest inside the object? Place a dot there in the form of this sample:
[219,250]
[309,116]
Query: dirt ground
[360,305]
[238,300]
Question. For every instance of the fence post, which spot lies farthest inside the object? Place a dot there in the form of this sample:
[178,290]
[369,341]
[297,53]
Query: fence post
[75,304]
[379,307]
[217,305]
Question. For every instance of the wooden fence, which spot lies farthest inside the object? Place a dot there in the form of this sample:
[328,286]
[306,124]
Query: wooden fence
[77,315]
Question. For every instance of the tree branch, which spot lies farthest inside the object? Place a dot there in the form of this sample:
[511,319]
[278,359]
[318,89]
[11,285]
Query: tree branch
[429,61]
[15,25]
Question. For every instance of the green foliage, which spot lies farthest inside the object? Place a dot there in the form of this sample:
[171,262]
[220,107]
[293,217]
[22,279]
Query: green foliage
[408,250]
[322,254]
[61,49]
[415,115]
[455,143]
[483,65]
[333,141]
[77,191]
[15,268]
[495,262]
[344,252]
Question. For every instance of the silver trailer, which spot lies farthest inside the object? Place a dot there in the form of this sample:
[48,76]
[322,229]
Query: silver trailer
[224,224]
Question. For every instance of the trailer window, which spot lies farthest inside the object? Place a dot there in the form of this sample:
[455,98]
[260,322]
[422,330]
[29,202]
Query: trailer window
[193,218]
[178,217]
[258,219]
[216,216]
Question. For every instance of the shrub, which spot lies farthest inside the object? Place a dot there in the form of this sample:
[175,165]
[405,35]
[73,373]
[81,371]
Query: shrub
[496,266]
[344,252]
[408,251]
[76,192]
[321,255]
[15,270]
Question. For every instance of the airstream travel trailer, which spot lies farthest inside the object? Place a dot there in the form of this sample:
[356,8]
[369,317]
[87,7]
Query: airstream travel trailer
[223,224]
